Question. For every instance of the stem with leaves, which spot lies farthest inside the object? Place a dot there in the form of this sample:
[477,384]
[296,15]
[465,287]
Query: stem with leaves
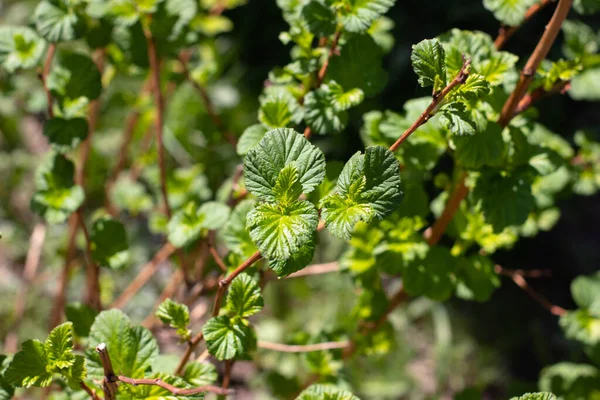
[506,33]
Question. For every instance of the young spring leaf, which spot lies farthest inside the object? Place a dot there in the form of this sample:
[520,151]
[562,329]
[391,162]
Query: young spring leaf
[250,138]
[131,348]
[485,148]
[586,293]
[28,367]
[329,392]
[227,338]
[20,47]
[509,12]
[280,230]
[235,234]
[429,63]
[277,149]
[279,109]
[191,221]
[59,347]
[358,15]
[536,396]
[176,315]
[57,21]
[431,276]
[326,107]
[65,134]
[368,187]
[319,17]
[56,196]
[200,374]
[457,119]
[244,298]
[110,247]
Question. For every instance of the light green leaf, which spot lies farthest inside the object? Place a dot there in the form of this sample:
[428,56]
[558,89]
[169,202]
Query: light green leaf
[250,138]
[297,261]
[586,6]
[475,87]
[235,234]
[326,392]
[176,315]
[20,47]
[571,381]
[200,374]
[277,149]
[457,119]
[279,109]
[131,348]
[76,373]
[428,61]
[82,318]
[28,366]
[476,277]
[57,22]
[56,196]
[344,100]
[287,188]
[227,338]
[280,230]
[75,76]
[110,247]
[535,396]
[244,298]
[319,17]
[586,86]
[369,186]
[191,221]
[580,40]
[586,293]
[509,12]
[131,195]
[59,347]
[65,134]
[358,15]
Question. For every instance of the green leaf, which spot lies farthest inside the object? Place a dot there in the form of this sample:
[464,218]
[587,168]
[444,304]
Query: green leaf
[280,230]
[582,326]
[250,138]
[57,22]
[82,318]
[20,47]
[359,65]
[586,6]
[358,15]
[244,298]
[485,148]
[154,392]
[509,12]
[65,134]
[131,195]
[428,61]
[109,243]
[326,392]
[297,261]
[235,234]
[28,366]
[200,374]
[457,119]
[326,107]
[77,373]
[279,109]
[287,188]
[176,315]
[131,348]
[319,17]
[75,76]
[535,396]
[56,196]
[59,347]
[369,186]
[586,293]
[580,40]
[227,338]
[344,100]
[277,149]
[571,381]
[191,221]
[586,85]
[475,87]
[505,200]
[431,276]
[476,277]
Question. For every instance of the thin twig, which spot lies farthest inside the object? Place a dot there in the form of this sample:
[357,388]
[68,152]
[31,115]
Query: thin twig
[332,51]
[316,269]
[93,269]
[459,79]
[227,374]
[506,33]
[144,275]
[44,76]
[538,55]
[519,280]
[192,344]
[434,234]
[173,389]
[89,391]
[306,348]
[531,98]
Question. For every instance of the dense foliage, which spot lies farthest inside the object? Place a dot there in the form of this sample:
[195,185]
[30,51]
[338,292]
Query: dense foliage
[157,191]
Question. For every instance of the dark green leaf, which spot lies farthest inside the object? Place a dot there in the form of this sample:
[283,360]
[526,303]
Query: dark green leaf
[109,243]
[319,17]
[75,76]
[65,134]
[82,318]
[428,61]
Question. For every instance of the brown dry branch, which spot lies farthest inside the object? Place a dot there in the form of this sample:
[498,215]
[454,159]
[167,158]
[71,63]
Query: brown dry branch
[89,391]
[316,269]
[306,348]
[44,77]
[144,275]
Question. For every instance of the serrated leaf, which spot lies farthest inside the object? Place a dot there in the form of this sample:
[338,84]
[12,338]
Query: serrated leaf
[570,381]
[250,138]
[358,15]
[76,373]
[131,348]
[457,119]
[191,221]
[131,195]
[297,261]
[59,347]
[279,109]
[277,149]
[28,366]
[535,396]
[280,230]
[368,187]
[475,87]
[326,392]
[359,65]
[244,297]
[509,12]
[227,338]
[65,134]
[109,244]
[287,188]
[485,148]
[235,234]
[200,374]
[82,318]
[57,22]
[56,196]
[344,100]
[176,315]
[20,47]
[586,293]
[75,76]
[322,115]
[319,17]
[428,61]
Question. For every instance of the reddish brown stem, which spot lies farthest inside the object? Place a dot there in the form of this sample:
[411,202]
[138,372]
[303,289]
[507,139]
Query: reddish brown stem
[144,275]
[518,278]
[108,383]
[227,374]
[435,233]
[332,51]
[89,391]
[174,390]
[531,98]
[192,344]
[93,270]
[459,79]
[316,269]
[307,132]
[61,294]
[44,76]
[506,33]
[306,348]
